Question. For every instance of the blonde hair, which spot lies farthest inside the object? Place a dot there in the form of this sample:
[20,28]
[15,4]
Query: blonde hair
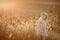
[44,13]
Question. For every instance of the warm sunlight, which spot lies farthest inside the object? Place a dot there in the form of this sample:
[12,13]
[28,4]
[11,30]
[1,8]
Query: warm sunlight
[7,4]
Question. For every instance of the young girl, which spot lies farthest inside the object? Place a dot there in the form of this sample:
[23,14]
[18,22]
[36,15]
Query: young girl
[42,26]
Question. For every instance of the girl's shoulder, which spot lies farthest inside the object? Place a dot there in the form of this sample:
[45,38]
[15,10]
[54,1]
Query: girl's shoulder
[40,19]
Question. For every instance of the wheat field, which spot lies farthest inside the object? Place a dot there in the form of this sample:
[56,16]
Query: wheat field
[19,22]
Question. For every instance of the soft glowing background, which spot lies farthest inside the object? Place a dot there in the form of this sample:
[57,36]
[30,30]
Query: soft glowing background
[18,19]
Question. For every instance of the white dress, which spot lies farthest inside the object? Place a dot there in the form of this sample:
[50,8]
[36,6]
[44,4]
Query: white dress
[42,29]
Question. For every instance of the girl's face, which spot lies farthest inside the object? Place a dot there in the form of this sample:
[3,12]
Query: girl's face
[44,17]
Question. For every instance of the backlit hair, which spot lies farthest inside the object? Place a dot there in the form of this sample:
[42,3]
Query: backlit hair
[44,13]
